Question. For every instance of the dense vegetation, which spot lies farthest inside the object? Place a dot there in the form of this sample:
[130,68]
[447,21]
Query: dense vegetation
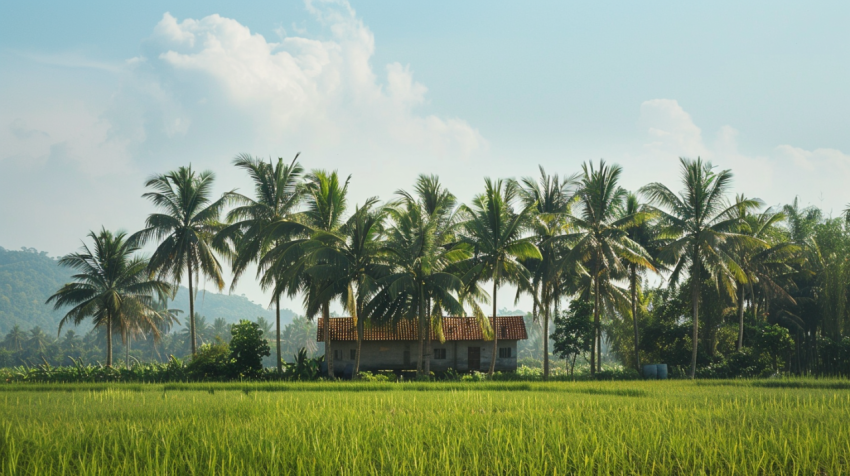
[758,427]
[35,347]
[27,278]
[745,290]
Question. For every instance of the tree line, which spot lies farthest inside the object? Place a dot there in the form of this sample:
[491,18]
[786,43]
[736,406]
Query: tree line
[732,270]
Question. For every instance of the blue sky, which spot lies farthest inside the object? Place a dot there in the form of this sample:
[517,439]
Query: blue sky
[96,96]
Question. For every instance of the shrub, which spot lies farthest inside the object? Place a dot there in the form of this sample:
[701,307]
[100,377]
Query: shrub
[211,362]
[370,377]
[247,349]
[304,368]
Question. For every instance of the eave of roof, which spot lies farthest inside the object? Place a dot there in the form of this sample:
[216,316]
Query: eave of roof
[454,329]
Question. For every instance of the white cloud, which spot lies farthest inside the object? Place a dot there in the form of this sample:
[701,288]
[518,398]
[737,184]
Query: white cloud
[322,92]
[817,176]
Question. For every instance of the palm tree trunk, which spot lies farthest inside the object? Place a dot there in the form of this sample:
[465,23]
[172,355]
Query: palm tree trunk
[329,357]
[428,344]
[277,333]
[127,353]
[695,277]
[191,309]
[545,337]
[635,316]
[740,342]
[495,330]
[360,327]
[109,339]
[595,325]
[421,321]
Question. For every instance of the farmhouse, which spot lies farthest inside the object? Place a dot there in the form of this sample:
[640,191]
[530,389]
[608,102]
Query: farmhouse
[395,347]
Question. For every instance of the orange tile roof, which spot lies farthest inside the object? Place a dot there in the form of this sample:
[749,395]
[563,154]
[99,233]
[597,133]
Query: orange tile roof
[454,328]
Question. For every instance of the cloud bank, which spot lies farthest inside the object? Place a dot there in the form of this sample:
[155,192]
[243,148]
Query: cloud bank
[818,175]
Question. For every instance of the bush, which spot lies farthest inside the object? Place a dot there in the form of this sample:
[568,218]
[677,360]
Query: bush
[747,363]
[304,368]
[247,349]
[379,377]
[211,362]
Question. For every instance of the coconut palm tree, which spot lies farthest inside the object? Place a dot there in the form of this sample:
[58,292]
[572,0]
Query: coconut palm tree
[293,251]
[278,193]
[494,233]
[419,253]
[185,230]
[602,242]
[14,340]
[350,262]
[108,282]
[766,262]
[550,199]
[138,320]
[642,232]
[703,221]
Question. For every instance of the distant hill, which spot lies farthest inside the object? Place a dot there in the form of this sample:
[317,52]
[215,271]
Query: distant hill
[229,306]
[28,277]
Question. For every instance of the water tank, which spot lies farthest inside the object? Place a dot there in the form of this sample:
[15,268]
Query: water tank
[661,370]
[651,371]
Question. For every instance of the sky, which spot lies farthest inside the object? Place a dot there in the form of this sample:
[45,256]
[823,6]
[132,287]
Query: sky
[97,96]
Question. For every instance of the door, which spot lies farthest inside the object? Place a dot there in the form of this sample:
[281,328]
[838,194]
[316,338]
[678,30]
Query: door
[473,356]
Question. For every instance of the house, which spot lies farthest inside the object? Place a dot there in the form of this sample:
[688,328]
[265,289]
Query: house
[395,347]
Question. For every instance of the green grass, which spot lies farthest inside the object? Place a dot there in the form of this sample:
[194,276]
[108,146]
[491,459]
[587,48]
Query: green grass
[670,427]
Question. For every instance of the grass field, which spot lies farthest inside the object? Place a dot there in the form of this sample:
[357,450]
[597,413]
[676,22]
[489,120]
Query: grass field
[669,427]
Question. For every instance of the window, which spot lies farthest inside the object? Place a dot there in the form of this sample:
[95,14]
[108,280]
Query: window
[504,352]
[337,355]
[439,354]
[353,354]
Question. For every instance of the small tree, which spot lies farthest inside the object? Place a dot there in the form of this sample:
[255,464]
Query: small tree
[247,348]
[573,334]
[774,340]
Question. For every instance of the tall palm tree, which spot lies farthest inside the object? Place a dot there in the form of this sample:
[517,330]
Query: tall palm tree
[351,262]
[550,199]
[494,232]
[602,242]
[703,222]
[642,232]
[763,260]
[278,193]
[419,284]
[185,230]
[293,250]
[108,282]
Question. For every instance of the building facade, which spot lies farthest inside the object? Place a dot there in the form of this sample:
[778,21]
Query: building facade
[396,347]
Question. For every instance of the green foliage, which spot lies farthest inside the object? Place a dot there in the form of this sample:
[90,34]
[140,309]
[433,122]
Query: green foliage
[27,278]
[247,349]
[211,362]
[573,334]
[775,341]
[304,368]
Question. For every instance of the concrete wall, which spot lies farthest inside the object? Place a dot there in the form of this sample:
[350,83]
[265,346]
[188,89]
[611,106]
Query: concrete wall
[390,355]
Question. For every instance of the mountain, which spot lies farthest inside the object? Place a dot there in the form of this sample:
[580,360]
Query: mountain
[229,306]
[28,277]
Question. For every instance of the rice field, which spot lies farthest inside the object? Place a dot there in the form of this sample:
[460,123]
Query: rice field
[660,427]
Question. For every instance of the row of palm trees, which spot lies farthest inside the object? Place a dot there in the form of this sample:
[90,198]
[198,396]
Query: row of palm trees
[423,255]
